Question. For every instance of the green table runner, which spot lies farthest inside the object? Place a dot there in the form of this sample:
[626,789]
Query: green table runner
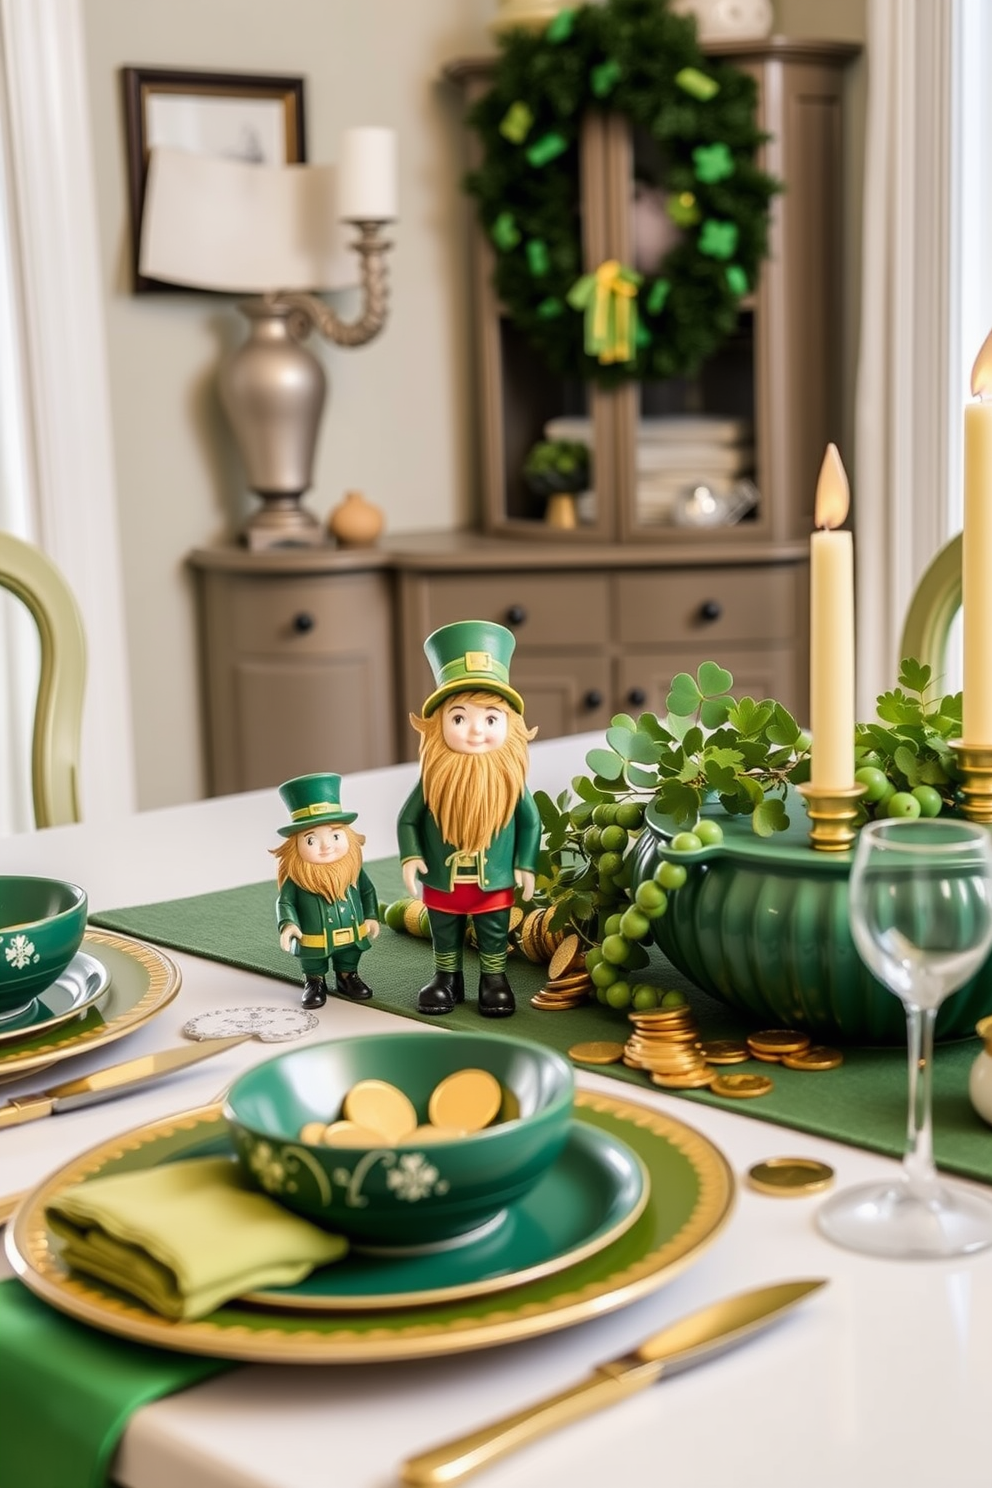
[863,1102]
[68,1392]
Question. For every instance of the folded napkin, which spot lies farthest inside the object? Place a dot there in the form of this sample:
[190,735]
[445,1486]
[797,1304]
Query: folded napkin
[186,1237]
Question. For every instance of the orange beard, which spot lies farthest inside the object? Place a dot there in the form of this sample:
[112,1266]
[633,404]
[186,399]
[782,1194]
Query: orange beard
[330,880]
[472,796]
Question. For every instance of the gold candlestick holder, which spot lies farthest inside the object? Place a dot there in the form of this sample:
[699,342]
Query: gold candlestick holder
[832,813]
[975,762]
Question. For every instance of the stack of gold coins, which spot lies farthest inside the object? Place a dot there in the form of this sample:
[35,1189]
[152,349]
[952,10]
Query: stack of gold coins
[570,983]
[535,936]
[377,1114]
[771,1045]
[665,1043]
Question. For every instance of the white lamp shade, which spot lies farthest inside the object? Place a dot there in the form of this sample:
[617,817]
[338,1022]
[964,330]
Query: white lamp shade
[367,179]
[222,224]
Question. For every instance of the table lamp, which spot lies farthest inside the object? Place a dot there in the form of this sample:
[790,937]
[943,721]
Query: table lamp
[274,232]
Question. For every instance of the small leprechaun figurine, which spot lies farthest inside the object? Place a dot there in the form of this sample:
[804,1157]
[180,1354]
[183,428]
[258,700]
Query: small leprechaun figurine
[469,832]
[327,909]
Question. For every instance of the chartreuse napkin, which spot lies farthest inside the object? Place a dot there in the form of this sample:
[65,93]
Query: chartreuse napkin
[186,1237]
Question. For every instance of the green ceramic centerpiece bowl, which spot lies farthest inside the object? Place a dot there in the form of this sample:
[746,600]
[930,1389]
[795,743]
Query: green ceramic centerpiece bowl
[762,924]
[42,922]
[416,1193]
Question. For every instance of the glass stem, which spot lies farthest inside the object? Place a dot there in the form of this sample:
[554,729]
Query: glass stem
[918,1163]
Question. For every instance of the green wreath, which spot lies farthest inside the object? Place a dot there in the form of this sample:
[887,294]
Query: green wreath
[636,58]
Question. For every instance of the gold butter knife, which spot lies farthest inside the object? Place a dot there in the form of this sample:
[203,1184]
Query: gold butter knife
[702,1335]
[117,1079]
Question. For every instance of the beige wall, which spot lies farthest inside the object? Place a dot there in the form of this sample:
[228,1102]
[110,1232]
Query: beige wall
[398,420]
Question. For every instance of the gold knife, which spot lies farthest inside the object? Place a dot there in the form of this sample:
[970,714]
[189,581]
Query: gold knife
[117,1079]
[702,1335]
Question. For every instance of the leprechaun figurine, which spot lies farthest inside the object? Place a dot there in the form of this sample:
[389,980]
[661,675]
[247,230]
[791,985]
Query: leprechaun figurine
[327,909]
[469,832]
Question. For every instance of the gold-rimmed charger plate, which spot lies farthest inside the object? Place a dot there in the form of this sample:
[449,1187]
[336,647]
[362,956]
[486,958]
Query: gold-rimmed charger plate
[691,1193]
[143,980]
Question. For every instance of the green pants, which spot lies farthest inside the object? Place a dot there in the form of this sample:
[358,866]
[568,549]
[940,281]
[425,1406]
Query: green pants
[345,959]
[448,936]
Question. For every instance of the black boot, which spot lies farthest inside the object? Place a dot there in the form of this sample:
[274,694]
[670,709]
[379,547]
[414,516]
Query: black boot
[350,984]
[444,989]
[314,992]
[495,995]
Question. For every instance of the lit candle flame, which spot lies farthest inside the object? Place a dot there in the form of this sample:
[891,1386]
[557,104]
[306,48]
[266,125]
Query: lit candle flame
[981,372]
[833,494]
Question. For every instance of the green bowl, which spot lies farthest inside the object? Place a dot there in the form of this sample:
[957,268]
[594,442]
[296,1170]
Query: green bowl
[411,1194]
[762,924]
[42,922]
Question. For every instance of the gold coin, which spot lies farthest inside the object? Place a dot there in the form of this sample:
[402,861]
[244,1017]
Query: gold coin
[351,1134]
[724,1051]
[564,956]
[778,1041]
[432,1133]
[509,1107]
[741,1086]
[789,1177]
[313,1133]
[816,1057]
[662,1016]
[597,1051]
[767,1058]
[469,1099]
[574,979]
[382,1108]
[694,1081]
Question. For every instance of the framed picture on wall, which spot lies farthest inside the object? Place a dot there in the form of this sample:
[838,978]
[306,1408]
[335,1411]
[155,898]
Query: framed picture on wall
[237,115]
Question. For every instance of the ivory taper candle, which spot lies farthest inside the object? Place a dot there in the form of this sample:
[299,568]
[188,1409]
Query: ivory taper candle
[831,658]
[976,563]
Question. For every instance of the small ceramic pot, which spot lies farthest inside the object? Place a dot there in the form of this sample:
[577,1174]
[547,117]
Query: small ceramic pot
[980,1078]
[355,522]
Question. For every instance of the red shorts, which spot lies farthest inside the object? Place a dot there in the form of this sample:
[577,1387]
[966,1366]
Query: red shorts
[467,898]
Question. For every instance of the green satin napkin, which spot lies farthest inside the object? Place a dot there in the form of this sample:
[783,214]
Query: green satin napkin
[186,1237]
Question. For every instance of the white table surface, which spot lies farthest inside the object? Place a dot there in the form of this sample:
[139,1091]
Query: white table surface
[882,1378]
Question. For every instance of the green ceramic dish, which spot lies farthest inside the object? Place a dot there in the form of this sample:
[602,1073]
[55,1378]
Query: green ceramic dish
[415,1193]
[761,923]
[691,1193]
[42,921]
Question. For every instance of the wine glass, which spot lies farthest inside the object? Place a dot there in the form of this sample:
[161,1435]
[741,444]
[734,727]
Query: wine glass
[920,906]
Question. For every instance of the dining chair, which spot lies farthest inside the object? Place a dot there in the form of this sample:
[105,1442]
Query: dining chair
[932,609]
[34,579]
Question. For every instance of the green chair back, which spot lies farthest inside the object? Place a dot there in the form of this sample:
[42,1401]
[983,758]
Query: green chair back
[32,577]
[931,612]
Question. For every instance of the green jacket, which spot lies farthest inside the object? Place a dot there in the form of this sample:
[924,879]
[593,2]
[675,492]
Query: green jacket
[319,918]
[515,846]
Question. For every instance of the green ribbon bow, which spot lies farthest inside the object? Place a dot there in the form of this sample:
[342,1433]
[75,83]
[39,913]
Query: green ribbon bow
[737,280]
[547,148]
[697,84]
[718,239]
[713,163]
[516,123]
[504,232]
[538,260]
[560,29]
[604,78]
[609,298]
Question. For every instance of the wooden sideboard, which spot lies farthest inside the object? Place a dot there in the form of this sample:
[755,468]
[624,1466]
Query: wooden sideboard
[312,659]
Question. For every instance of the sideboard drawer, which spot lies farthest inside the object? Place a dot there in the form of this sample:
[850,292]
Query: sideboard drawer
[543,610]
[300,616]
[700,605]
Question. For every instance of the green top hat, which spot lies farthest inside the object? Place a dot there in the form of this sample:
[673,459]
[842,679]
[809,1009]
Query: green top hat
[313,801]
[471,656]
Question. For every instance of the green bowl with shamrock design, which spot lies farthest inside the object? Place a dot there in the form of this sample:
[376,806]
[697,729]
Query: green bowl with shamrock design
[42,922]
[414,1192]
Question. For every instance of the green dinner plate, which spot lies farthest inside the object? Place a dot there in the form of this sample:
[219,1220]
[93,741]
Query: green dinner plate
[691,1192]
[143,980]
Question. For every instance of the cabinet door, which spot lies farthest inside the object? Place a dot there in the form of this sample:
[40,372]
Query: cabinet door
[564,695]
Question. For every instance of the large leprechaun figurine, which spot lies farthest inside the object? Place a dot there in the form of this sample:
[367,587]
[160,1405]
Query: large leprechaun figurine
[469,832]
[327,910]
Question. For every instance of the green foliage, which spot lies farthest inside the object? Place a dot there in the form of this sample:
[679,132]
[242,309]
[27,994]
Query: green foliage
[557,465]
[746,752]
[625,55]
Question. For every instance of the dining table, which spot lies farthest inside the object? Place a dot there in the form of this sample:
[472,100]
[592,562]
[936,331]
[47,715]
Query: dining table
[881,1377]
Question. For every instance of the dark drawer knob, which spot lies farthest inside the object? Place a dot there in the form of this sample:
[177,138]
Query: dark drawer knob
[516,615]
[593,699]
[710,609]
[303,623]
[637,697]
